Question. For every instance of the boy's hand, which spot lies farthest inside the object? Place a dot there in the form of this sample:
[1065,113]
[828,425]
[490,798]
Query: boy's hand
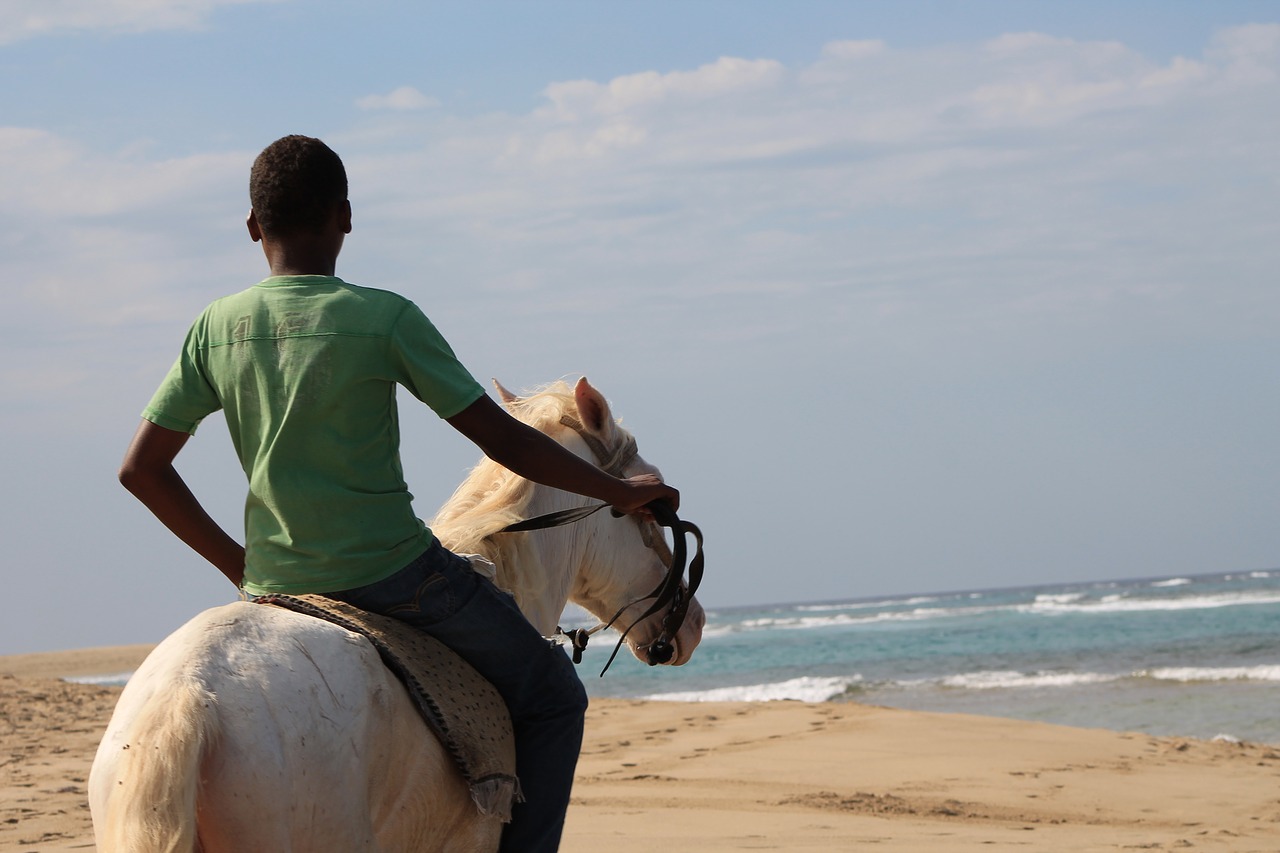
[643,489]
[148,472]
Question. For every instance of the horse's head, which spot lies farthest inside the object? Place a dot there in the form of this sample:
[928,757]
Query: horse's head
[621,562]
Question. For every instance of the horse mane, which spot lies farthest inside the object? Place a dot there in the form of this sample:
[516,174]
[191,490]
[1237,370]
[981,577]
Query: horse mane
[491,497]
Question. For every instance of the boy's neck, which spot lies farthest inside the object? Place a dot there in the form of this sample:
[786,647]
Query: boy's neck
[286,260]
[305,252]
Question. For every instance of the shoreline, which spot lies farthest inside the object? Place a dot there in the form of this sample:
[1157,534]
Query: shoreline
[721,776]
[76,663]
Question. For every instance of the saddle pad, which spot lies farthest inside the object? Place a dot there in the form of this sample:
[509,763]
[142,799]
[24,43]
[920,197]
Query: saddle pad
[459,705]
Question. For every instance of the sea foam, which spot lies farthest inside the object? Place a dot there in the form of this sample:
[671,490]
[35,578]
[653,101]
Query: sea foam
[1221,673]
[118,679]
[995,680]
[805,689]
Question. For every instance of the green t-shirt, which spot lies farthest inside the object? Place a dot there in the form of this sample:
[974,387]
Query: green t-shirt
[305,368]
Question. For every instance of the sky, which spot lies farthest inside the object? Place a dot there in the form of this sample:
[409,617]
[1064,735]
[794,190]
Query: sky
[904,297]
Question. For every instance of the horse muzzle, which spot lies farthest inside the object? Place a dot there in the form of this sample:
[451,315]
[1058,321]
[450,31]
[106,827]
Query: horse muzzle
[660,651]
[676,649]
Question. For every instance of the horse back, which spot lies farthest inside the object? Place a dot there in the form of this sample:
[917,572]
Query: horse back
[288,733]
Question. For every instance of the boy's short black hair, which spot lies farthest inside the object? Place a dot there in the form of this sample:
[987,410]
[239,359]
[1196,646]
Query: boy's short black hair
[294,184]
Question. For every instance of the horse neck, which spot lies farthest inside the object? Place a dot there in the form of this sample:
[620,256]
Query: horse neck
[591,562]
[543,567]
[540,567]
[600,563]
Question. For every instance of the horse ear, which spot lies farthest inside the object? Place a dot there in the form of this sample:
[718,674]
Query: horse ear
[507,397]
[593,410]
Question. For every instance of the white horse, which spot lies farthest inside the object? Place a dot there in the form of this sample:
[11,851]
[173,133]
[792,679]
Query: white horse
[254,728]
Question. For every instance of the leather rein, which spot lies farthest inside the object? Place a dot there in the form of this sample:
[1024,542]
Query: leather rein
[673,594]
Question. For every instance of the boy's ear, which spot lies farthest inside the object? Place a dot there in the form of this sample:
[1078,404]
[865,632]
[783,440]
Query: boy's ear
[255,230]
[346,216]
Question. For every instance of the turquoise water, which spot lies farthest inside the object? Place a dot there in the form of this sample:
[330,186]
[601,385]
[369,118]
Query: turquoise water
[1192,656]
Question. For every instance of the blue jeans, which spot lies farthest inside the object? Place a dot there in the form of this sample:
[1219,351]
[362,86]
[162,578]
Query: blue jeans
[440,594]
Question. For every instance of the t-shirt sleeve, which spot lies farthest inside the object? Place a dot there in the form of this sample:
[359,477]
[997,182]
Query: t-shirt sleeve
[185,397]
[428,367]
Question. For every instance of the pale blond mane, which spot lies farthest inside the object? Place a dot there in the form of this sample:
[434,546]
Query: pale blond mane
[492,496]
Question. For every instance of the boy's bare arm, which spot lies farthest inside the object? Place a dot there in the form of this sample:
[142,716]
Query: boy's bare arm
[148,472]
[534,456]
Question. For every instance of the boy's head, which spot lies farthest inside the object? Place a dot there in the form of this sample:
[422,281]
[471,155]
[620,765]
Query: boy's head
[295,185]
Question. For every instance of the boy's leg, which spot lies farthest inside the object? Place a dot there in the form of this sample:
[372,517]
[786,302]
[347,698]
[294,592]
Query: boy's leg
[440,594]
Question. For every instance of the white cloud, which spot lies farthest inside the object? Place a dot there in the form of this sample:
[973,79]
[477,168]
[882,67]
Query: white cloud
[48,175]
[1018,182]
[1250,53]
[1253,41]
[1038,46]
[723,78]
[103,242]
[908,186]
[23,19]
[1180,71]
[403,99]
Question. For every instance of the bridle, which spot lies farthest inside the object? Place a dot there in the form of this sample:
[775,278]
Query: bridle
[673,594]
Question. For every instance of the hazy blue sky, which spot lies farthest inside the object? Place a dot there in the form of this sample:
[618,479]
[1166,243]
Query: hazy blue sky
[904,296]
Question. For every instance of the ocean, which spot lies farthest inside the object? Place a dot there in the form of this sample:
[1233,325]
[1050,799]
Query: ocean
[1186,656]
[1182,656]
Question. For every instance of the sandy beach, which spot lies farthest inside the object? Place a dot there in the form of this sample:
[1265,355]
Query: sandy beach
[766,776]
